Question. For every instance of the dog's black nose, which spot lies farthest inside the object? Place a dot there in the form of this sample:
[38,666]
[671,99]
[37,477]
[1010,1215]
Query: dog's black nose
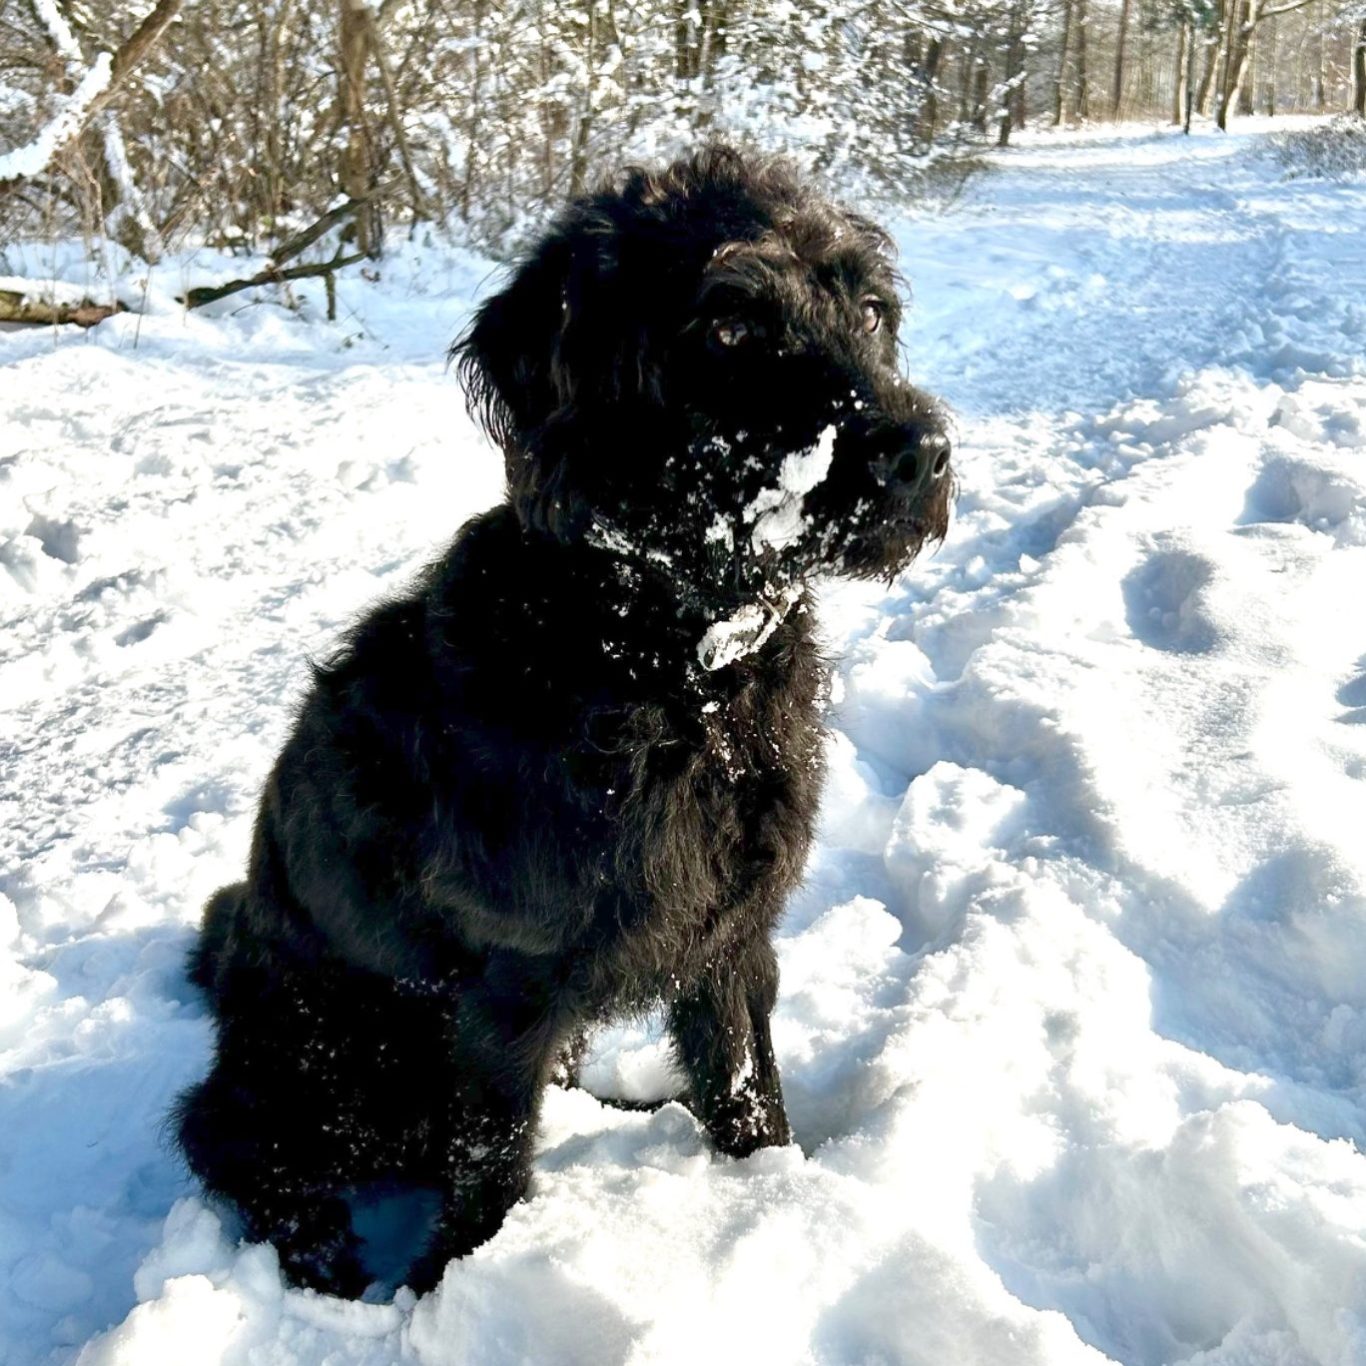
[912,458]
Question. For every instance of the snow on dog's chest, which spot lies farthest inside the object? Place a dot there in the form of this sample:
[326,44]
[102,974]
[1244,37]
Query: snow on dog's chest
[778,518]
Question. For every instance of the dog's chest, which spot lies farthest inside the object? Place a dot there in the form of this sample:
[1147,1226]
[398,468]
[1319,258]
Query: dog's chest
[711,816]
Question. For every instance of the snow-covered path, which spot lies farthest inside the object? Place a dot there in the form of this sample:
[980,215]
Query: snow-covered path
[1073,1022]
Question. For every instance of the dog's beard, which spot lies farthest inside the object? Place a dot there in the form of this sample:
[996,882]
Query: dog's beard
[728,518]
[732,526]
[734,538]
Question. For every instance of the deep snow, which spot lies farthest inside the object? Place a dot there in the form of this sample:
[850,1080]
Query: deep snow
[1073,1018]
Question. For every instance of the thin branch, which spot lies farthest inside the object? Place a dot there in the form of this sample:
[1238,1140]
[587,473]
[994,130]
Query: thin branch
[1282,9]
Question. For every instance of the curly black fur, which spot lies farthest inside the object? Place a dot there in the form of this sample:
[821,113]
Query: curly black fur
[574,772]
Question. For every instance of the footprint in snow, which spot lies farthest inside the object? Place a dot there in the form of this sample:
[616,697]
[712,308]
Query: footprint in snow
[1164,602]
[1326,500]
[139,631]
[1353,696]
[60,540]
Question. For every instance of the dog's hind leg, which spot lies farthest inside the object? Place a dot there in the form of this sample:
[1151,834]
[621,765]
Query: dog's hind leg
[220,917]
[320,1083]
[257,1149]
[720,1028]
[249,1131]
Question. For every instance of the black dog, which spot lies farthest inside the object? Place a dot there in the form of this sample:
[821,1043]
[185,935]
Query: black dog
[575,771]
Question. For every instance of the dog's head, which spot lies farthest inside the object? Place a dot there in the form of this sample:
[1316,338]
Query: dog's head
[696,369]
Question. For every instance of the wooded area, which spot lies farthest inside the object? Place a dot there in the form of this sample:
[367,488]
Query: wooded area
[241,124]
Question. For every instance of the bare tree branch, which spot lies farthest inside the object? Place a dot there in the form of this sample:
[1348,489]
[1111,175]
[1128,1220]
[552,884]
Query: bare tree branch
[1283,9]
[78,112]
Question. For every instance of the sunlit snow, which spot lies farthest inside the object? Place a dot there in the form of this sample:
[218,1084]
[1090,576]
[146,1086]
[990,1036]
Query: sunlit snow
[1073,1012]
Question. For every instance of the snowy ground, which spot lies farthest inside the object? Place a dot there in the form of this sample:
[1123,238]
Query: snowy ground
[1073,1022]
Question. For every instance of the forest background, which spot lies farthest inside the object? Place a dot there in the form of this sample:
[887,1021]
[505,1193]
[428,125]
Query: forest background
[302,131]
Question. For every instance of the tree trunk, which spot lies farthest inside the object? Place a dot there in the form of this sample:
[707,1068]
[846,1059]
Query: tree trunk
[1359,72]
[1083,77]
[966,66]
[578,155]
[1242,22]
[1179,81]
[1117,97]
[1018,102]
[1229,40]
[1320,85]
[1247,87]
[927,117]
[1060,84]
[715,18]
[1190,78]
[393,105]
[1149,78]
[981,89]
[270,189]
[686,41]
[1213,53]
[476,110]
[1013,102]
[357,172]
[1271,60]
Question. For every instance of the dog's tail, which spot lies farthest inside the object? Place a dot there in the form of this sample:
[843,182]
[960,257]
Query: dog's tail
[220,918]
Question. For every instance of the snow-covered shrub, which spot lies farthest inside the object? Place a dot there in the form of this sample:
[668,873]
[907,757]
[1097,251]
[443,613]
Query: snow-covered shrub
[239,129]
[1332,150]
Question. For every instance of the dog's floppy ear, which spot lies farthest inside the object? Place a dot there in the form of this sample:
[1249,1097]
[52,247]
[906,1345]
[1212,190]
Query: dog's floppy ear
[508,359]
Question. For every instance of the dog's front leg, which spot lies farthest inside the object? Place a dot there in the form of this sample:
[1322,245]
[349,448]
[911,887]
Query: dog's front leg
[487,1169]
[720,1028]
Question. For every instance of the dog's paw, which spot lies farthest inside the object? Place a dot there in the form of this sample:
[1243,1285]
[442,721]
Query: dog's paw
[425,1274]
[332,1269]
[747,1123]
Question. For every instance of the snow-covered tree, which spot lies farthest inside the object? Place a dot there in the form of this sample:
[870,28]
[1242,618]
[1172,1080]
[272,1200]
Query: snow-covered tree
[245,121]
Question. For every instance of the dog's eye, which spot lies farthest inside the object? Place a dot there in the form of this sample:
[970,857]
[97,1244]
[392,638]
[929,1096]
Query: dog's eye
[873,311]
[730,332]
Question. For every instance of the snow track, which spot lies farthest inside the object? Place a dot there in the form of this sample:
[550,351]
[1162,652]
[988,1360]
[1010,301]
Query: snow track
[1073,1016]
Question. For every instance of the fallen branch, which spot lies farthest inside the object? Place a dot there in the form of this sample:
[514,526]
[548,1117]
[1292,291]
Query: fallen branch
[274,274]
[17,307]
[271,275]
[301,241]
